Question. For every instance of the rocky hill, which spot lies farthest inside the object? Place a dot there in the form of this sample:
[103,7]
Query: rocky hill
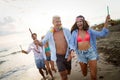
[110,45]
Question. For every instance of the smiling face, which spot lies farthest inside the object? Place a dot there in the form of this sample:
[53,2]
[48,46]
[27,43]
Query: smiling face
[36,42]
[57,21]
[34,36]
[79,22]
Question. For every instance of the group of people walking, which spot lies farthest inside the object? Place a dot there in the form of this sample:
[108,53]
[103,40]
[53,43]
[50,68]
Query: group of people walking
[60,45]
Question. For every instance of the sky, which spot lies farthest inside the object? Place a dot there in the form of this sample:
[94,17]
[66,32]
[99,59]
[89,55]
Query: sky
[20,15]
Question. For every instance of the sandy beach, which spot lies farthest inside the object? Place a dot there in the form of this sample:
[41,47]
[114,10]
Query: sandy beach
[19,67]
[106,71]
[18,16]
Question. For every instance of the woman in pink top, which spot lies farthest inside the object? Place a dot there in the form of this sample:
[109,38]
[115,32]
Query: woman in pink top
[83,41]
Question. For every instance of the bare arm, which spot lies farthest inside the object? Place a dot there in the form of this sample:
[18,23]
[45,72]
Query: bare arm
[29,49]
[107,21]
[23,51]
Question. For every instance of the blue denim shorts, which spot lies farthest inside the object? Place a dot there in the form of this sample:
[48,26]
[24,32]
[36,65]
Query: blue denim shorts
[48,58]
[40,64]
[86,55]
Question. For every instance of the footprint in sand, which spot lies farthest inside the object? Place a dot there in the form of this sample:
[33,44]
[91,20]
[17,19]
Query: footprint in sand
[101,77]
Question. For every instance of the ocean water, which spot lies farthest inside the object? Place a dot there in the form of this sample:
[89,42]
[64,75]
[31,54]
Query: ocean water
[15,65]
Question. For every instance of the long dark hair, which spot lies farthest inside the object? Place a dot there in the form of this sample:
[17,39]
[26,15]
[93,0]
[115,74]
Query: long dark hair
[85,24]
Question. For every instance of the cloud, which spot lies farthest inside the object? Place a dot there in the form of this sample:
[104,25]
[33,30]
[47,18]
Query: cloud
[7,25]
[6,20]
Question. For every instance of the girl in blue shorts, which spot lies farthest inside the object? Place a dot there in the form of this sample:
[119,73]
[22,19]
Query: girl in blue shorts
[83,41]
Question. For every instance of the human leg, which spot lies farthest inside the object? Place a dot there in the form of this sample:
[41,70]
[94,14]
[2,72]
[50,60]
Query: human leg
[83,68]
[63,75]
[93,69]
[48,68]
[52,66]
[40,65]
[41,72]
[82,61]
[92,61]
[62,67]
[68,66]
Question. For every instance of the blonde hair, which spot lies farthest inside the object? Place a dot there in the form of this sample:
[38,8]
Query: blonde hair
[55,17]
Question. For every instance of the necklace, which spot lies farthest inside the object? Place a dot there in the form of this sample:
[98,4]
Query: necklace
[56,29]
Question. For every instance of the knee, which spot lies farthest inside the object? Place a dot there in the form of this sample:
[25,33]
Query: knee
[68,72]
[93,77]
[52,66]
[48,68]
[84,73]
[64,75]
[64,78]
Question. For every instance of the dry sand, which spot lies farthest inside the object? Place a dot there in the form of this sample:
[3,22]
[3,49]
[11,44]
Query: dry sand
[106,71]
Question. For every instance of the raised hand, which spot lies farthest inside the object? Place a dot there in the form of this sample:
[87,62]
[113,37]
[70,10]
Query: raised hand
[107,20]
[23,51]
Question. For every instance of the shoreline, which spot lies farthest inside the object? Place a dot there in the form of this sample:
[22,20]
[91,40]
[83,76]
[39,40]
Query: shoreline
[106,71]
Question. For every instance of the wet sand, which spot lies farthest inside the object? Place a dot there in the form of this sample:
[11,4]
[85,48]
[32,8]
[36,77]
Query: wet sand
[22,67]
